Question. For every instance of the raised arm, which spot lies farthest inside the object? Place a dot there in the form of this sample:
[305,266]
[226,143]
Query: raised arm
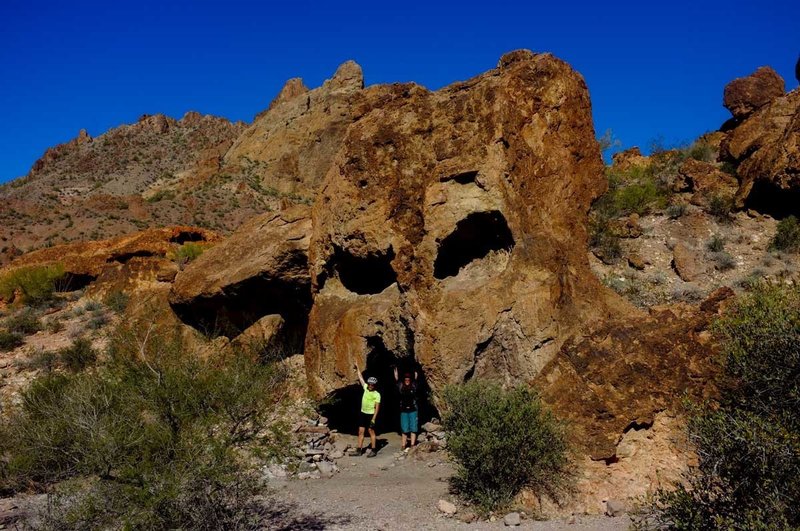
[396,376]
[358,373]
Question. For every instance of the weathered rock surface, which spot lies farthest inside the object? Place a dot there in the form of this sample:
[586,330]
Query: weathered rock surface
[260,270]
[704,181]
[629,158]
[621,374]
[745,95]
[452,228]
[116,263]
[687,262]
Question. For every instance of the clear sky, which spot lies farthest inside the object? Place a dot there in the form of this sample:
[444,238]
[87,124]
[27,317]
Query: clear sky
[653,68]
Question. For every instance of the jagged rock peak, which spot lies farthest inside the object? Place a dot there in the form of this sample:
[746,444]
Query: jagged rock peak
[293,88]
[348,76]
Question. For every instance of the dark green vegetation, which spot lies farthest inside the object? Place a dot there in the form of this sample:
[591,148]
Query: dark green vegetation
[503,441]
[787,236]
[157,437]
[748,443]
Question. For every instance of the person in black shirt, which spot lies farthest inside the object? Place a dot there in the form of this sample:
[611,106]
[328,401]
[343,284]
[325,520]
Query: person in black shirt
[409,418]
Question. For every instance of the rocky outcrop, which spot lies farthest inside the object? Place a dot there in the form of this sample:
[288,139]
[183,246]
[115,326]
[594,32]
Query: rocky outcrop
[117,264]
[630,158]
[765,147]
[260,270]
[290,146]
[619,376]
[452,229]
[704,181]
[745,95]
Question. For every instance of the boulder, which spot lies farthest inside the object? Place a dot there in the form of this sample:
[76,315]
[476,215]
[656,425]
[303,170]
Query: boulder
[687,262]
[260,270]
[704,181]
[615,508]
[512,519]
[452,228]
[446,507]
[630,158]
[744,95]
[766,149]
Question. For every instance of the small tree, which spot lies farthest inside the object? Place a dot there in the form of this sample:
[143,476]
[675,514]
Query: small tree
[503,441]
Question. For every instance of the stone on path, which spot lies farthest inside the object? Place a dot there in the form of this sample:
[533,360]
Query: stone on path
[512,519]
[446,507]
[615,508]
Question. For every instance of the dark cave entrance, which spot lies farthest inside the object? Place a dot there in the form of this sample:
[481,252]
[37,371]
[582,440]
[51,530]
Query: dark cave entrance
[73,282]
[473,238]
[343,405]
[364,275]
[766,198]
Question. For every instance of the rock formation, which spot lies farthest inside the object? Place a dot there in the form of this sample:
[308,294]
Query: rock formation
[452,227]
[260,270]
[765,146]
[745,95]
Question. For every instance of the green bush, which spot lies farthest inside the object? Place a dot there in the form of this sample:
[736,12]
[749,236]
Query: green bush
[79,355]
[720,207]
[748,443]
[157,438]
[117,301]
[44,360]
[36,283]
[503,441]
[716,244]
[188,252]
[603,240]
[787,235]
[701,151]
[9,340]
[677,210]
[25,322]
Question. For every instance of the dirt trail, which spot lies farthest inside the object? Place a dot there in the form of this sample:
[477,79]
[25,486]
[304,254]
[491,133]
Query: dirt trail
[386,493]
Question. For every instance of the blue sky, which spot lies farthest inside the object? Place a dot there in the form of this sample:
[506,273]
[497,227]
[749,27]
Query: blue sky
[653,69]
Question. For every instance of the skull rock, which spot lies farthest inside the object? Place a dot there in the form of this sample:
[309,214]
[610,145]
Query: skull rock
[451,229]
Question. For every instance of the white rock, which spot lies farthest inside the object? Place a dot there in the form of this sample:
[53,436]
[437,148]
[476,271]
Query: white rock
[446,507]
[512,519]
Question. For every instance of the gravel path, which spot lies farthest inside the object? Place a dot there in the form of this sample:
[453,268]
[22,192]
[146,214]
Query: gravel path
[386,493]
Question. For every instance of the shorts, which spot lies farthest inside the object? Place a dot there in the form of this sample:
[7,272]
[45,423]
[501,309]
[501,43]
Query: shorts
[364,419]
[408,422]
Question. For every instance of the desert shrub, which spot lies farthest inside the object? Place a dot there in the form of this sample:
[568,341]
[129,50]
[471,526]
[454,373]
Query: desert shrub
[9,340]
[677,210]
[720,207]
[92,306]
[25,322]
[79,355]
[723,261]
[748,443]
[153,439]
[603,240]
[117,301]
[701,151]
[716,244]
[98,321]
[787,235]
[188,252]
[503,441]
[36,283]
[44,360]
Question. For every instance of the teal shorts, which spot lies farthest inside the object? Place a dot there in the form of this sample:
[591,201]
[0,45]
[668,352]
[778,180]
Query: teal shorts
[408,422]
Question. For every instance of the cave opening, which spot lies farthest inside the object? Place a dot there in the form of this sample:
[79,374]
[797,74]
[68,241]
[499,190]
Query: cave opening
[343,405]
[365,275]
[767,198]
[474,238]
[73,282]
[239,306]
[187,236]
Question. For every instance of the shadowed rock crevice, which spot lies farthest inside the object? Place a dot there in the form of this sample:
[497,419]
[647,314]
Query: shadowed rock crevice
[238,306]
[187,236]
[474,238]
[73,282]
[364,275]
[767,198]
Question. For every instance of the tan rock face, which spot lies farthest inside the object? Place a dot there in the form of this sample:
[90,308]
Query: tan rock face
[747,94]
[451,228]
[630,158]
[260,270]
[290,147]
[705,181]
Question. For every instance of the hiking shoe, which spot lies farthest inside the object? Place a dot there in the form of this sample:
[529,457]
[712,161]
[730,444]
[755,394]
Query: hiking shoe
[371,453]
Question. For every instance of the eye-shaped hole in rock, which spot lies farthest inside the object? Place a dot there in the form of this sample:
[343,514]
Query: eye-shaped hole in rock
[474,238]
[368,275]
[343,405]
[464,177]
[766,198]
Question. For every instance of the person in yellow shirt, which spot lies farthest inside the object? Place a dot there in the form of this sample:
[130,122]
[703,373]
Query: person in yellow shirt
[370,405]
